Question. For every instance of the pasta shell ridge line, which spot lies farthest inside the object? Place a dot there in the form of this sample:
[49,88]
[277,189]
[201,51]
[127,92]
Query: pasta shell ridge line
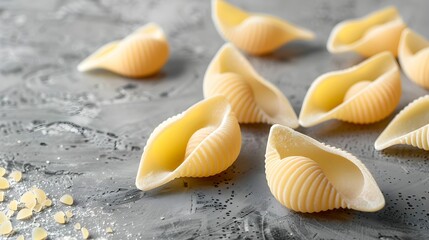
[139,54]
[248,75]
[255,33]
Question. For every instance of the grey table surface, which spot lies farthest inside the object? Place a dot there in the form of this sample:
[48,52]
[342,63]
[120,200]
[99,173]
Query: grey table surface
[84,133]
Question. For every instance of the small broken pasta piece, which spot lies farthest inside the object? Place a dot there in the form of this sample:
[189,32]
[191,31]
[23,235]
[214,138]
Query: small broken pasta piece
[13,205]
[28,199]
[24,214]
[47,203]
[109,230]
[39,233]
[38,207]
[69,214]
[77,226]
[1,196]
[85,233]
[67,199]
[16,176]
[4,183]
[40,194]
[20,237]
[2,171]
[6,228]
[3,217]
[60,217]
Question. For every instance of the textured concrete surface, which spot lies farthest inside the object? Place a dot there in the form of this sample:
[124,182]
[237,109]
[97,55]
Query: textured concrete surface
[84,133]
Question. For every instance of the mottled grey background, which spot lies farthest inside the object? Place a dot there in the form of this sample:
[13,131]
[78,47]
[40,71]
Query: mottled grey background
[84,133]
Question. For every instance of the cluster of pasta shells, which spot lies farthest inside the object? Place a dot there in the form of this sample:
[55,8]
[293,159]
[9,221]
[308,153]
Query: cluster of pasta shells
[303,174]
[383,30]
[253,99]
[142,53]
[254,33]
[308,176]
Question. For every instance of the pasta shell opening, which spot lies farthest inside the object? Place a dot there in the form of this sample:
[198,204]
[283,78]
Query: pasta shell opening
[362,94]
[200,142]
[254,33]
[142,53]
[410,127]
[414,57]
[308,176]
[377,32]
[253,99]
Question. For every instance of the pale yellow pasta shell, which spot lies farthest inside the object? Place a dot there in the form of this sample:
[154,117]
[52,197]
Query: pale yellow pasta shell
[377,32]
[308,176]
[254,33]
[341,94]
[253,99]
[200,142]
[409,127]
[414,57]
[141,54]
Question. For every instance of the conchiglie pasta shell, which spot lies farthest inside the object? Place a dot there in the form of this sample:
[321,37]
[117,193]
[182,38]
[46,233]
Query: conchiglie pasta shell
[308,176]
[409,127]
[140,54]
[253,99]
[326,100]
[414,57]
[200,142]
[377,32]
[254,33]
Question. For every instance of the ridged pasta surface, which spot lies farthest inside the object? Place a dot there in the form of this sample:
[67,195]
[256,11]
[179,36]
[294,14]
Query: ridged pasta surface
[299,184]
[375,104]
[257,36]
[138,57]
[141,54]
[418,138]
[254,33]
[240,94]
[214,153]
